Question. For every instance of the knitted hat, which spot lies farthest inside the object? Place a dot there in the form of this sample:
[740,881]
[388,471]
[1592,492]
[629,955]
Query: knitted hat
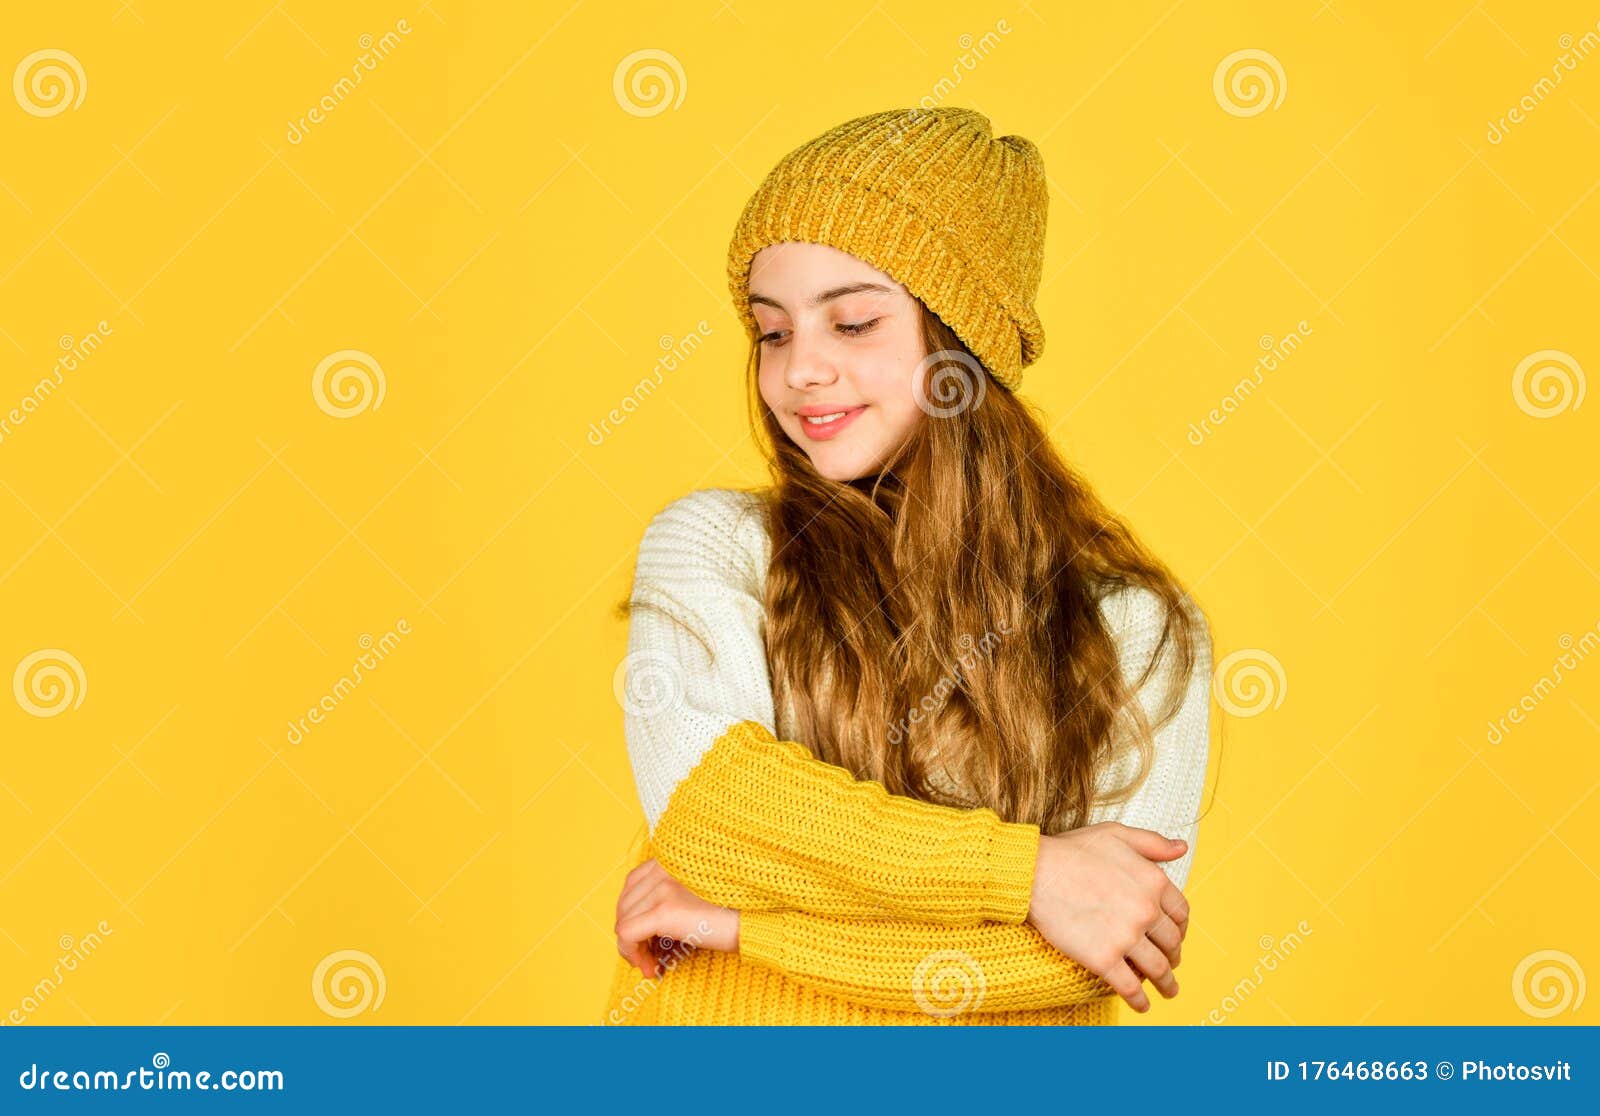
[929,197]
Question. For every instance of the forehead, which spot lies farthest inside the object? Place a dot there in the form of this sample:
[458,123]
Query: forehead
[802,266]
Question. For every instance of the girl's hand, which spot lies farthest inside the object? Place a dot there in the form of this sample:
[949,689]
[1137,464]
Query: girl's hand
[653,906]
[1100,899]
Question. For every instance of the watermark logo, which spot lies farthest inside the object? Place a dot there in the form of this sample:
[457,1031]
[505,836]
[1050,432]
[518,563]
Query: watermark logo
[1249,82]
[1274,951]
[348,982]
[49,82]
[1562,668]
[1275,353]
[948,982]
[373,652]
[974,49]
[1547,983]
[373,51]
[935,699]
[1548,383]
[74,351]
[1249,682]
[649,82]
[47,683]
[647,683]
[948,382]
[1572,52]
[73,953]
[674,353]
[348,382]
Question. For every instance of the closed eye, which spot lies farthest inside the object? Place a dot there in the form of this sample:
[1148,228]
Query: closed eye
[849,329]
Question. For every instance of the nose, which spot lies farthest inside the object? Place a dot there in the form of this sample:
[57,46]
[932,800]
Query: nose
[810,364]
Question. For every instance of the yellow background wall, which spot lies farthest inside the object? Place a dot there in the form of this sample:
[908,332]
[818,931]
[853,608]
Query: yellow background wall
[1398,549]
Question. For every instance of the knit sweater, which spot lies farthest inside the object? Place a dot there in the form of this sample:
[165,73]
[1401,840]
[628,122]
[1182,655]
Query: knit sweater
[856,906]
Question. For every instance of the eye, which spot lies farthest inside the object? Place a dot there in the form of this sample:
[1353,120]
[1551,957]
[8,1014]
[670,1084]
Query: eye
[855,329]
[770,338]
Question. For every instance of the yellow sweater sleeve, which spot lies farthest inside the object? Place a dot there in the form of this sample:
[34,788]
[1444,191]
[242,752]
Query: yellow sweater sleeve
[762,824]
[917,966]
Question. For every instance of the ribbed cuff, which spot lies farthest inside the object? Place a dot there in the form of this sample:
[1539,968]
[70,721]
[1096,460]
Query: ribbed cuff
[762,937]
[1013,855]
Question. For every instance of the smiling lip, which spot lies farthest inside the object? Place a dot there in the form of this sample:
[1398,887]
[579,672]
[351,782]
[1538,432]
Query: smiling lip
[822,431]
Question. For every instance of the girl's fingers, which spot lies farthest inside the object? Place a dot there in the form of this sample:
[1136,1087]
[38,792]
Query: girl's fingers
[1177,908]
[640,898]
[1167,936]
[1153,964]
[1127,984]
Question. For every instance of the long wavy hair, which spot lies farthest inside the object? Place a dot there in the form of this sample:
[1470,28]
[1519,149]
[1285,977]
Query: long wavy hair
[946,609]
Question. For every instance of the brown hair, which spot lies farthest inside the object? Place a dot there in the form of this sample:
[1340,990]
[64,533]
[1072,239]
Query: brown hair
[975,533]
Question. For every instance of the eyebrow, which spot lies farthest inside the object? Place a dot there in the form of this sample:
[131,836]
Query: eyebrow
[825,296]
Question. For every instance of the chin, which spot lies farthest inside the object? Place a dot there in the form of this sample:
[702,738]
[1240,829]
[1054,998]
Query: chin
[842,470]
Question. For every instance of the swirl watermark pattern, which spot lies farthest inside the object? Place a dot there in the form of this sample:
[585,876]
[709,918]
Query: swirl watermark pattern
[649,82]
[49,82]
[348,982]
[1547,983]
[647,683]
[49,682]
[1249,82]
[348,382]
[948,382]
[1548,383]
[948,982]
[1249,682]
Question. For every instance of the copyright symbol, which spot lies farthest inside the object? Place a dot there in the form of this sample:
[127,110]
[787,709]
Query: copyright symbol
[1445,1071]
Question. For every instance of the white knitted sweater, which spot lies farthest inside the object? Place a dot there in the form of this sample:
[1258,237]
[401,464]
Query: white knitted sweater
[703,560]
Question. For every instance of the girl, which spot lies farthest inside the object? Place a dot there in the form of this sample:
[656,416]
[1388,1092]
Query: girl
[913,726]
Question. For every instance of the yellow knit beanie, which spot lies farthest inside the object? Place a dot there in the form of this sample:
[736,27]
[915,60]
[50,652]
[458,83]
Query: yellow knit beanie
[929,197]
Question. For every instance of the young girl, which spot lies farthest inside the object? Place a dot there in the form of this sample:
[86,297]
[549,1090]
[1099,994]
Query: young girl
[920,730]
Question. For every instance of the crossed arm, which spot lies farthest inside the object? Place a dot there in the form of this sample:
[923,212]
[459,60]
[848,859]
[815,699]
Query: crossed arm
[840,884]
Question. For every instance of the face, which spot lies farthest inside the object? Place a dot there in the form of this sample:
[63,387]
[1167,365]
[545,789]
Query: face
[840,345]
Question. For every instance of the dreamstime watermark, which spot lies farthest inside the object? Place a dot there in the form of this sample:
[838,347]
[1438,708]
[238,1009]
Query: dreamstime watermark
[373,51]
[1273,953]
[1249,82]
[974,49]
[948,982]
[649,82]
[647,682]
[49,682]
[1572,52]
[75,350]
[934,700]
[1277,351]
[348,982]
[948,382]
[676,352]
[1548,982]
[1573,652]
[348,382]
[1249,681]
[373,652]
[1547,383]
[73,953]
[676,949]
[49,82]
